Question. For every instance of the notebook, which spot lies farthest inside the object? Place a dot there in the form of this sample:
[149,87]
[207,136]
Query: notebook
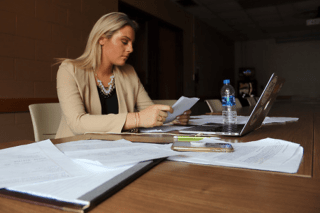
[256,117]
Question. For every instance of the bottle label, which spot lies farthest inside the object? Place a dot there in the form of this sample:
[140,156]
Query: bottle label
[228,100]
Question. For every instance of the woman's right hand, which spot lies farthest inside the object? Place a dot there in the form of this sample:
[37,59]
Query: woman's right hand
[154,115]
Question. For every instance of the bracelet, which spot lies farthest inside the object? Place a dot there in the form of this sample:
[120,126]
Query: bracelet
[135,119]
[138,120]
[134,129]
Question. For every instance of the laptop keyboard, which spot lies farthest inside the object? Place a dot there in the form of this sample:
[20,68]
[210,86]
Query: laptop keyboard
[229,128]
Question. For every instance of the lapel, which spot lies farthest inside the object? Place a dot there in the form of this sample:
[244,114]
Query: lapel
[121,92]
[93,97]
[88,91]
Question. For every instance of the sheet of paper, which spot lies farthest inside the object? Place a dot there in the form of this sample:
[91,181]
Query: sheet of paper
[113,153]
[279,120]
[36,162]
[203,119]
[87,145]
[183,104]
[70,189]
[266,154]
[164,128]
[92,156]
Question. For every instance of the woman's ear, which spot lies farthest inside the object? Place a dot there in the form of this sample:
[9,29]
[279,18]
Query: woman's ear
[102,40]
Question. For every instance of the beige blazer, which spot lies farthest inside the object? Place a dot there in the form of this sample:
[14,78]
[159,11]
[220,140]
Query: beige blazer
[81,106]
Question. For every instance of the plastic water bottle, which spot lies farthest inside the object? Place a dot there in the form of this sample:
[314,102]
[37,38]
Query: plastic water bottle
[229,111]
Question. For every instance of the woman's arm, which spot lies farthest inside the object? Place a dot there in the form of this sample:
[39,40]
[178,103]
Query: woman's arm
[152,116]
[149,114]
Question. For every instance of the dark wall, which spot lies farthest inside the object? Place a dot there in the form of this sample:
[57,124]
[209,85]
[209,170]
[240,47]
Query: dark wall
[214,61]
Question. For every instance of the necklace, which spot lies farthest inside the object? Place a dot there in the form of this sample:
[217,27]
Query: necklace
[107,92]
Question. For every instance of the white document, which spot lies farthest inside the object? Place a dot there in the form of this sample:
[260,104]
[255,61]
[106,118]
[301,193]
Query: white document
[36,162]
[203,119]
[266,154]
[70,189]
[182,105]
[89,145]
[268,120]
[164,128]
[112,154]
[76,177]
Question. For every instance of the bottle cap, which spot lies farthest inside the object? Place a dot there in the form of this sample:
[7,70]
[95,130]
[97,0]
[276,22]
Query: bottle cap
[226,81]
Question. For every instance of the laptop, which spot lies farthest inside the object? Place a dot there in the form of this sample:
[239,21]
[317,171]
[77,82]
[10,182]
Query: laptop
[256,117]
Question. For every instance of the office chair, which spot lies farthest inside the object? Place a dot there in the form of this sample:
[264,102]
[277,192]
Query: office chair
[45,120]
[169,102]
[238,103]
[251,101]
[214,105]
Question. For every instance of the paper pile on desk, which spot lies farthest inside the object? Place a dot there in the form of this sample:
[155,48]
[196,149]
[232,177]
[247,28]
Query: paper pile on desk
[111,154]
[70,189]
[41,169]
[266,154]
[203,119]
[165,128]
[36,162]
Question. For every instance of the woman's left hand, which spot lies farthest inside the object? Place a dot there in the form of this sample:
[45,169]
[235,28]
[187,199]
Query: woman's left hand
[182,119]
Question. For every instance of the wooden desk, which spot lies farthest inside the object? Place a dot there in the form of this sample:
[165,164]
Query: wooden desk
[183,187]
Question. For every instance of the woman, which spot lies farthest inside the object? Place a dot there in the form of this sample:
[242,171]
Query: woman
[98,92]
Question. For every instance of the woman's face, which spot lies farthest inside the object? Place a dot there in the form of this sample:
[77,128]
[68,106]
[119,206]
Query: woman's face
[116,50]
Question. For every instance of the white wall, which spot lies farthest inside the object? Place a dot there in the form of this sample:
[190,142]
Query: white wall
[297,62]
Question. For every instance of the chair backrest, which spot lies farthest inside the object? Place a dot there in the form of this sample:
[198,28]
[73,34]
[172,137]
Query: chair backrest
[251,101]
[238,103]
[169,102]
[214,105]
[45,120]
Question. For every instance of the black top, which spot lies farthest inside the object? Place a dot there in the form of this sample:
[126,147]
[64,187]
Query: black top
[110,104]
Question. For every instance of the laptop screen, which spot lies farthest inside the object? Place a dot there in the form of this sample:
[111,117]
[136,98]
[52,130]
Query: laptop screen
[264,104]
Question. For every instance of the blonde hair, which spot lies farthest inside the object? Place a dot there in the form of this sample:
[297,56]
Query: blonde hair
[106,27]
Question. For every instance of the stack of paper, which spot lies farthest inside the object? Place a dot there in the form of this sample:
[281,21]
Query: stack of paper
[164,128]
[42,169]
[266,154]
[36,162]
[203,119]
[70,189]
[111,154]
